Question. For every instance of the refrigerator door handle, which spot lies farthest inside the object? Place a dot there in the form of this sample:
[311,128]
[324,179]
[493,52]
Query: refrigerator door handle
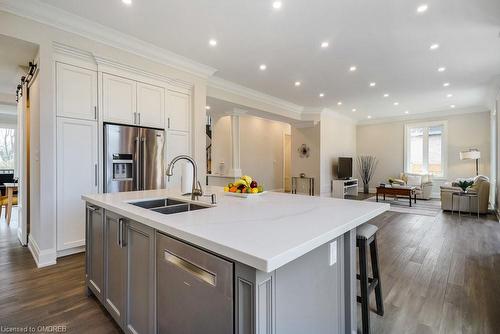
[137,166]
[143,158]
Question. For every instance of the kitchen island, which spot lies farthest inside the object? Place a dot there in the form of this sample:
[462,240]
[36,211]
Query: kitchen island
[273,263]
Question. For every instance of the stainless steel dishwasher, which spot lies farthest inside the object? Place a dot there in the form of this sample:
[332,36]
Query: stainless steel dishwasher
[195,290]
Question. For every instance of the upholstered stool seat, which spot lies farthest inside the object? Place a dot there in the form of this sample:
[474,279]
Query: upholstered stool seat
[366,237]
[366,231]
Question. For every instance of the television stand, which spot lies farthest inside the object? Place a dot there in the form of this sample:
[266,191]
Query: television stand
[343,188]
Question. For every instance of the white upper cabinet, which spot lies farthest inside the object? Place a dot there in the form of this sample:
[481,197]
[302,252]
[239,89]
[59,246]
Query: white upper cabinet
[77,174]
[178,111]
[150,105]
[76,91]
[119,99]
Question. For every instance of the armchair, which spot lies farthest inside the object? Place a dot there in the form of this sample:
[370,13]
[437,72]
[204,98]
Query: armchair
[481,186]
[422,183]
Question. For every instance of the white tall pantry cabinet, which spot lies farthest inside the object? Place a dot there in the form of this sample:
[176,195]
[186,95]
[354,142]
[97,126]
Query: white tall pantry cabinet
[178,133]
[76,150]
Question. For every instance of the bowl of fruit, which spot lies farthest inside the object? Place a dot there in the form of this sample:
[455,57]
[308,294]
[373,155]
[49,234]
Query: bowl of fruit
[245,186]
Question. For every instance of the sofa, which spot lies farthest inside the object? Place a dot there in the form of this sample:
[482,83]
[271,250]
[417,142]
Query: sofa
[481,186]
[422,183]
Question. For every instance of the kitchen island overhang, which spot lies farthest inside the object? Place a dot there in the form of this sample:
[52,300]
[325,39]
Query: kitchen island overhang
[294,256]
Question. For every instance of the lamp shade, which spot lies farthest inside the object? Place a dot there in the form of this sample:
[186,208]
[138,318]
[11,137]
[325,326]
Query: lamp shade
[470,155]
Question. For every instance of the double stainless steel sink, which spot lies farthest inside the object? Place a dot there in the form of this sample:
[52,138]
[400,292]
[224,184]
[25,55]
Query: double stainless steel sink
[168,206]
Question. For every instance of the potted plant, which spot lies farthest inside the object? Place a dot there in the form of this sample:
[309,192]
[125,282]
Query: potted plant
[366,167]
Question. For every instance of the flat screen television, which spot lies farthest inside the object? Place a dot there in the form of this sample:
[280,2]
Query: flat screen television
[344,168]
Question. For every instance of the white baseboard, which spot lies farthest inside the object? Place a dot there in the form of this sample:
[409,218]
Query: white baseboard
[42,258]
[70,251]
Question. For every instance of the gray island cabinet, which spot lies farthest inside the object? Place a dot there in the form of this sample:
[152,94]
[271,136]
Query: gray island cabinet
[153,274]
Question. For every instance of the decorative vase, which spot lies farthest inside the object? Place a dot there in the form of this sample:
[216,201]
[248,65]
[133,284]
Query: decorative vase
[366,188]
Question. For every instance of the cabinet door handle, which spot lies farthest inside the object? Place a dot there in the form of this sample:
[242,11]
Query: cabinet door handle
[135,118]
[190,267]
[95,175]
[119,233]
[95,113]
[123,234]
[168,123]
[91,208]
[139,116]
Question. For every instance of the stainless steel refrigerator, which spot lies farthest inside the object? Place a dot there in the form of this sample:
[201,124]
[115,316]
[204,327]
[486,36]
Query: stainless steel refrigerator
[133,158]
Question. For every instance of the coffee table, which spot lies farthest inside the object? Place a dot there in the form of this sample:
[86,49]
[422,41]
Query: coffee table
[404,191]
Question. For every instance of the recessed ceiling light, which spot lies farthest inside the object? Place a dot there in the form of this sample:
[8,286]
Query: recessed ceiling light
[373,84]
[452,106]
[339,103]
[422,8]
[386,95]
[434,46]
[354,109]
[441,69]
[396,103]
[127,2]
[353,68]
[369,117]
[277,4]
[212,42]
[407,112]
[449,95]
[297,83]
[263,67]
[446,84]
[321,94]
[325,44]
[207,107]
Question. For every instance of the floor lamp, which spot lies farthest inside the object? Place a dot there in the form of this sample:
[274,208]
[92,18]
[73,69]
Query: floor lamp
[472,154]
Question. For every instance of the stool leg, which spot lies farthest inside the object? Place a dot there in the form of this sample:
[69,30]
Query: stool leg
[376,275]
[365,298]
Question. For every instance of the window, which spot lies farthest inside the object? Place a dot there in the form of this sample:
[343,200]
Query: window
[425,148]
[7,148]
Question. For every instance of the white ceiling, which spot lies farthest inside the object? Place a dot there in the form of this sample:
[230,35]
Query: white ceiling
[13,54]
[386,39]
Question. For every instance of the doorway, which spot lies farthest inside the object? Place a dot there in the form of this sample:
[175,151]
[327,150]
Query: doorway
[19,93]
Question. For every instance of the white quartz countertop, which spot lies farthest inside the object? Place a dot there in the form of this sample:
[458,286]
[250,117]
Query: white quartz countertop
[264,232]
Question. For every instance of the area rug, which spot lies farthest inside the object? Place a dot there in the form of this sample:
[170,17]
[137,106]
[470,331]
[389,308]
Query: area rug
[422,207]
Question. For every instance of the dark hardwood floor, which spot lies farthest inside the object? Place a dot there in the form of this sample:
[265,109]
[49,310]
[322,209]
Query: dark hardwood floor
[52,296]
[439,275]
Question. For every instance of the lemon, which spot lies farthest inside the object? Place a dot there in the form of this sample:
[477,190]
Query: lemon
[226,189]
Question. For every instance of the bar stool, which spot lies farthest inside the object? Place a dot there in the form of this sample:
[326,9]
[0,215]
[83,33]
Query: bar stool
[366,235]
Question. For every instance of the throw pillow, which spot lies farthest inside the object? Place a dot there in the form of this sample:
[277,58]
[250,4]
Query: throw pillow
[414,180]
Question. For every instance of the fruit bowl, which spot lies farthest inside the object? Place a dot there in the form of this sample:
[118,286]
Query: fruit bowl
[245,187]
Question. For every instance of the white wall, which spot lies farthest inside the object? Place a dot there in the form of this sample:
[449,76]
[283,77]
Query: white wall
[338,139]
[43,35]
[261,147]
[386,142]
[311,136]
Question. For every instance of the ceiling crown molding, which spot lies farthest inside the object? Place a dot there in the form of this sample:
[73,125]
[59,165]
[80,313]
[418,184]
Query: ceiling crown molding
[231,87]
[61,19]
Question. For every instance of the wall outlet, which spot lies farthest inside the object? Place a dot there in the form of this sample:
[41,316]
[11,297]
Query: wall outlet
[333,252]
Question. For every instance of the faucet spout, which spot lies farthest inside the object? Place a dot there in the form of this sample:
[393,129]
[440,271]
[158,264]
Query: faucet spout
[196,190]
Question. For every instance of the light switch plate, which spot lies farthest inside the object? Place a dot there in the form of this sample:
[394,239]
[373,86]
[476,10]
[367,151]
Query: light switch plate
[333,252]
